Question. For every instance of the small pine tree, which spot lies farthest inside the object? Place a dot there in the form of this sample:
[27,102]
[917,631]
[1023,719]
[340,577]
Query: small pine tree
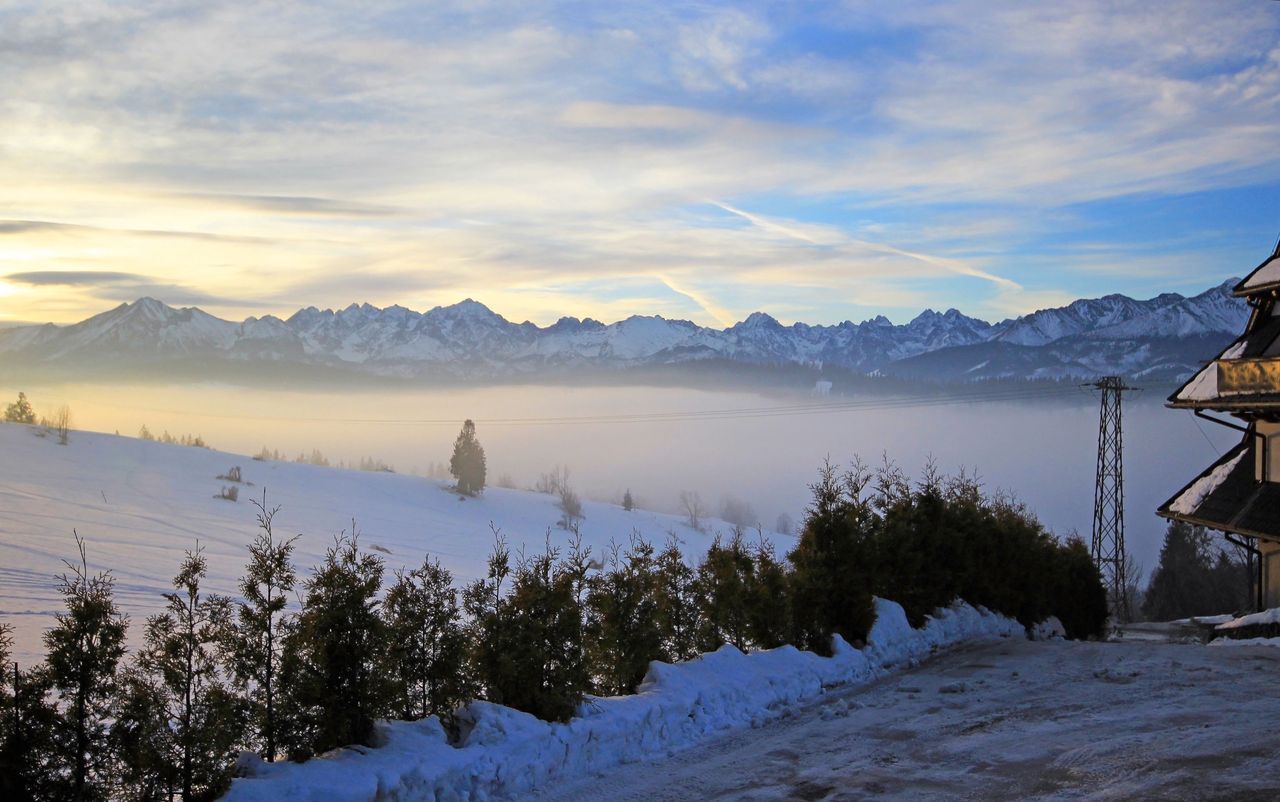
[624,631]
[425,642]
[30,768]
[769,608]
[204,717]
[20,411]
[677,612]
[254,646]
[723,590]
[628,503]
[467,463]
[83,650]
[330,673]
[832,563]
[141,738]
[529,645]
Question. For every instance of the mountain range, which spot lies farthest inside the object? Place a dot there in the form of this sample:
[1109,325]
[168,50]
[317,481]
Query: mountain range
[1159,339]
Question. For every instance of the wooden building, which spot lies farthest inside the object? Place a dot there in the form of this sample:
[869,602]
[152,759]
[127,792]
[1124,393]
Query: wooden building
[1239,495]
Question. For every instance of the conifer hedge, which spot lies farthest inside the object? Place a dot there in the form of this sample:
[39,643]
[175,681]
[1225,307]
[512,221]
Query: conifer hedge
[218,675]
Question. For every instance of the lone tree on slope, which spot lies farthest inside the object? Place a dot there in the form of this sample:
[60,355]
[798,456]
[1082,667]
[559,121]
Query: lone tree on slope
[20,411]
[467,462]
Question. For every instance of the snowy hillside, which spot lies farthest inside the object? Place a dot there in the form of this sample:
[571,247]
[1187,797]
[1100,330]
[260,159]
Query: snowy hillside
[139,504]
[468,341]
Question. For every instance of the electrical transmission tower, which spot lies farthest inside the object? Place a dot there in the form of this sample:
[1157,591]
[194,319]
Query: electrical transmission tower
[1108,497]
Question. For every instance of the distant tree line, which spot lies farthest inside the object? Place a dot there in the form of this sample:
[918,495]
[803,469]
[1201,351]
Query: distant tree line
[216,675]
[195,440]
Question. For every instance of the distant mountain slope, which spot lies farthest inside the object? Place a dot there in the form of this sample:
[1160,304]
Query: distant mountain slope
[1160,338]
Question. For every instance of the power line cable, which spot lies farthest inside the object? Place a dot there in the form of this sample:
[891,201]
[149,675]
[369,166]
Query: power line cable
[738,413]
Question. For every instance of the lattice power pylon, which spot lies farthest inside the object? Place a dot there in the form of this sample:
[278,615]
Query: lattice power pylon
[1108,497]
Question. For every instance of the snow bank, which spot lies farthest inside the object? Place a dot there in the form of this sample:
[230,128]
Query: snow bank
[1271,616]
[1049,629]
[504,752]
[1273,642]
[1204,620]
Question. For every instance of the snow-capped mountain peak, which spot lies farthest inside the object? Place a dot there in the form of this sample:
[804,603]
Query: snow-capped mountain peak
[469,340]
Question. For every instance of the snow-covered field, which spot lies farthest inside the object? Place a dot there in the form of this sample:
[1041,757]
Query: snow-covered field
[139,505]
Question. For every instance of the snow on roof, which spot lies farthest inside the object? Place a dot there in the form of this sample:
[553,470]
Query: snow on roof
[1194,496]
[1265,276]
[1204,385]
[1271,616]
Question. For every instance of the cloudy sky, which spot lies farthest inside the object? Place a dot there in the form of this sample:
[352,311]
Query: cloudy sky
[818,161]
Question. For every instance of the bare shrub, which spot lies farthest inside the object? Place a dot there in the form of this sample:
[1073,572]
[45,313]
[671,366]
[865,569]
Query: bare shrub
[554,482]
[230,493]
[232,475]
[61,423]
[694,509]
[570,507]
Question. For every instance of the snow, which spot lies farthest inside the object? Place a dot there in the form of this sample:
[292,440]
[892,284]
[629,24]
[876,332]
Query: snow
[1194,496]
[1272,642]
[1008,719]
[1271,616]
[468,339]
[1205,620]
[506,753]
[1266,275]
[1049,629]
[1204,386]
[139,505]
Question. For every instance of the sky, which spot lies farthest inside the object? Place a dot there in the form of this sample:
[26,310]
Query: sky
[818,161]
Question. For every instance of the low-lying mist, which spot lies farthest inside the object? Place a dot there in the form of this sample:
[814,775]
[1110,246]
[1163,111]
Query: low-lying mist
[754,452]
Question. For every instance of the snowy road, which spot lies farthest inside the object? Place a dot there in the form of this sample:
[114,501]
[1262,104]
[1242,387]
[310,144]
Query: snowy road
[1005,720]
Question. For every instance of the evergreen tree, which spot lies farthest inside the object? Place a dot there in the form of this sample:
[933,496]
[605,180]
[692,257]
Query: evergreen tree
[628,503]
[254,645]
[206,719]
[330,669]
[142,740]
[1076,593]
[624,629]
[1193,578]
[426,647]
[677,612]
[467,463]
[832,564]
[529,644]
[769,609]
[83,650]
[724,589]
[20,411]
[30,767]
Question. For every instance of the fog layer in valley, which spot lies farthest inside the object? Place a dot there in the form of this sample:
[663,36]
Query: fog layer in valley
[659,442]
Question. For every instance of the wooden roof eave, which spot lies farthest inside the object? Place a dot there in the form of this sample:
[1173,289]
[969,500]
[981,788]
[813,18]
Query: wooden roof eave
[1216,526]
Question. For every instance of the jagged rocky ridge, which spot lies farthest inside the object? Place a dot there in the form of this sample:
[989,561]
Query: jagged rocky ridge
[1160,338]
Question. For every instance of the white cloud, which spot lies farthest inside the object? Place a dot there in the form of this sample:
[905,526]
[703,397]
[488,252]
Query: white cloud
[506,147]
